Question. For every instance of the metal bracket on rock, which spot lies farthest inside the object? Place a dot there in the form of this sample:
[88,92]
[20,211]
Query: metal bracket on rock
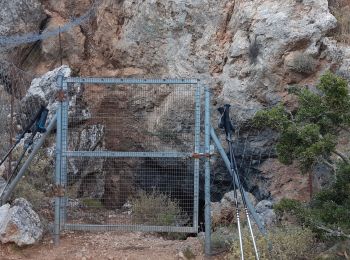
[58,191]
[61,95]
[200,155]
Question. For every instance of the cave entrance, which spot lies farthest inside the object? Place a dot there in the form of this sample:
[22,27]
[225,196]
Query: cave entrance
[132,161]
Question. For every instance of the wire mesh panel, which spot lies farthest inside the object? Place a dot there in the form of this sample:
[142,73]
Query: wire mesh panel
[129,164]
[14,113]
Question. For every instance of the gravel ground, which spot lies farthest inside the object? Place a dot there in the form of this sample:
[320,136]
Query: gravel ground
[109,245]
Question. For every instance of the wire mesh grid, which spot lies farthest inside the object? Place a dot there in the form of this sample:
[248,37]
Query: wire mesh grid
[133,191]
[17,112]
[14,114]
[139,118]
[129,165]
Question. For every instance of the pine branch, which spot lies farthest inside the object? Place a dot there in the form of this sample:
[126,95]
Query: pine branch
[333,233]
[341,155]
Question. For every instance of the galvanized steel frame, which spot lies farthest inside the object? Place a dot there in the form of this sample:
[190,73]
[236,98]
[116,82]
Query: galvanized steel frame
[207,209]
[62,153]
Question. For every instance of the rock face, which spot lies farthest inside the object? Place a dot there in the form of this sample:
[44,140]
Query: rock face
[27,15]
[19,17]
[285,181]
[88,173]
[266,213]
[2,170]
[43,91]
[2,184]
[248,52]
[224,212]
[19,223]
[240,53]
[72,42]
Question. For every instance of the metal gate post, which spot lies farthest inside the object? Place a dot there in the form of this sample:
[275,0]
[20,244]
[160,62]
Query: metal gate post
[196,150]
[207,247]
[57,225]
[65,106]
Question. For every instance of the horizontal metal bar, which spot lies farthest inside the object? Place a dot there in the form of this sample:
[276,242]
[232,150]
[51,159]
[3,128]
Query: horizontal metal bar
[142,228]
[126,154]
[128,81]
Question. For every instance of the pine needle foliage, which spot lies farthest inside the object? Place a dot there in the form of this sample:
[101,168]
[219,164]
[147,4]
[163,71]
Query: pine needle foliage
[309,134]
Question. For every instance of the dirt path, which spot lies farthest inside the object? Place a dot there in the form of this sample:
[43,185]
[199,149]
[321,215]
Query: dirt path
[112,245]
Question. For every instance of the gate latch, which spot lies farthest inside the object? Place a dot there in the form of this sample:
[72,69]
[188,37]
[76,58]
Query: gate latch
[61,95]
[58,191]
[203,153]
[200,155]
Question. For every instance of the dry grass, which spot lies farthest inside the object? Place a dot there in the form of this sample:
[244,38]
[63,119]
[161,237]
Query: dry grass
[157,209]
[341,10]
[4,126]
[304,64]
[290,242]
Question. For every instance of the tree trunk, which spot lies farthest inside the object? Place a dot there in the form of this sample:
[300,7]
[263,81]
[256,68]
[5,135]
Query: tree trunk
[310,185]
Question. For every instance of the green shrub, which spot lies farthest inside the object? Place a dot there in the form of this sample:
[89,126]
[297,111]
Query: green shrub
[289,242]
[295,208]
[309,134]
[332,206]
[188,253]
[158,209]
[303,63]
[35,184]
[329,208]
[222,237]
[92,203]
[27,191]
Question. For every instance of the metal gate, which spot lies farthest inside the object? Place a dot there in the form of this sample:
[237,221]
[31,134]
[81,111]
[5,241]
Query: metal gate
[129,158]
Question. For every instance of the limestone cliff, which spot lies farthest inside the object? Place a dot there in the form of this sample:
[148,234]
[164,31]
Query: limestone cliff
[247,51]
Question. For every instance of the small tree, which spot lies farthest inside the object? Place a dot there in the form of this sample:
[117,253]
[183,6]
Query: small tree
[309,134]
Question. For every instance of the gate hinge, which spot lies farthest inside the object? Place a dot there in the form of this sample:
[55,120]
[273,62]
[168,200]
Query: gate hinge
[200,155]
[61,95]
[58,191]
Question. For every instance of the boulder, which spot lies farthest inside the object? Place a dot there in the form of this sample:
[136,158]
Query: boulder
[265,212]
[43,91]
[19,223]
[229,199]
[224,212]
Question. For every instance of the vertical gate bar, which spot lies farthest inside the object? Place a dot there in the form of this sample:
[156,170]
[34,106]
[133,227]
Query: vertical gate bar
[207,126]
[58,164]
[65,107]
[197,150]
